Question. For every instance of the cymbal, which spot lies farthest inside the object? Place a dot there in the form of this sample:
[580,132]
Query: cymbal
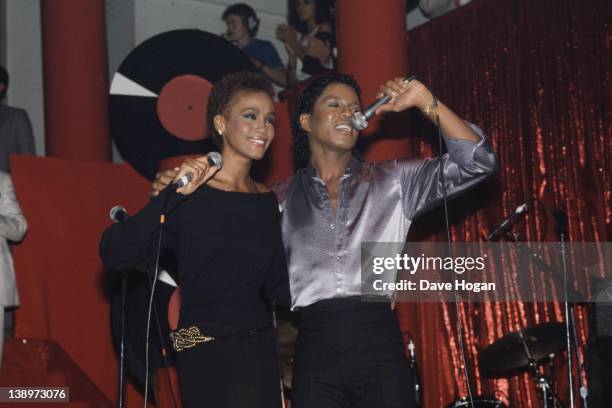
[507,354]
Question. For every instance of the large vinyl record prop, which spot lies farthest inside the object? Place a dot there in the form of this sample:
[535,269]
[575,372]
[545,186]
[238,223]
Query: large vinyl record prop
[159,95]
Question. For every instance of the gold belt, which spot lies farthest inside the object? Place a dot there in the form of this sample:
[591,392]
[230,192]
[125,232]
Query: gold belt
[186,338]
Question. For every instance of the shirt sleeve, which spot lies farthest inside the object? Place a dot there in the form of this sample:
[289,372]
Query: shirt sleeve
[13,224]
[466,164]
[132,242]
[272,57]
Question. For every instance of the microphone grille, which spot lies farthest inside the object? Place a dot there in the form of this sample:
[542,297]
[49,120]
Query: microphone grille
[215,159]
[115,211]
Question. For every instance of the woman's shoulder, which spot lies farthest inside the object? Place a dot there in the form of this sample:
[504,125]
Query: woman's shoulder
[261,188]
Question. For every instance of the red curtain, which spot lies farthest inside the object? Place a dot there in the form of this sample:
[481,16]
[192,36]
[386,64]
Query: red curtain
[536,76]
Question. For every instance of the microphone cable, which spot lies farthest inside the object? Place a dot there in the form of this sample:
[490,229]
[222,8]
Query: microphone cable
[442,181]
[162,221]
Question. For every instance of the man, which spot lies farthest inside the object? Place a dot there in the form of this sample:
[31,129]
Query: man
[242,26]
[16,135]
[349,353]
[12,227]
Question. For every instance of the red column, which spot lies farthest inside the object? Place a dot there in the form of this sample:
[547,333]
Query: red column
[75,79]
[371,40]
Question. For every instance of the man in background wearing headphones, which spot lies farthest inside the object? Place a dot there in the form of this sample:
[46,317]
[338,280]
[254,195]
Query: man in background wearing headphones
[242,25]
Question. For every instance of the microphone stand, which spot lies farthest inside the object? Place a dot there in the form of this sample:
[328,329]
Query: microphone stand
[561,230]
[121,398]
[570,321]
[412,361]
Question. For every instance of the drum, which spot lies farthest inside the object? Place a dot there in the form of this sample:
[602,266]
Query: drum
[479,402]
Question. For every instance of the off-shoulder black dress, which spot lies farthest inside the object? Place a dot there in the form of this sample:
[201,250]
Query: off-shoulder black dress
[231,266]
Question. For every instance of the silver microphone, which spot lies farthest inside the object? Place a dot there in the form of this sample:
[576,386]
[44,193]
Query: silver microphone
[215,159]
[182,181]
[360,119]
[507,223]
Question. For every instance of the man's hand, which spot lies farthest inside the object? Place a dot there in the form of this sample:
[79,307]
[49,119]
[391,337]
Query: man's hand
[162,180]
[404,95]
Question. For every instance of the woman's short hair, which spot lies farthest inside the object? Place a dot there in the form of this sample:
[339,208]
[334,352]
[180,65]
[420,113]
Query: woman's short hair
[301,149]
[224,91]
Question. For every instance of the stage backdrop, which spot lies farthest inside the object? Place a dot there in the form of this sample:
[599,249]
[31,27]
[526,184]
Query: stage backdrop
[535,75]
[63,288]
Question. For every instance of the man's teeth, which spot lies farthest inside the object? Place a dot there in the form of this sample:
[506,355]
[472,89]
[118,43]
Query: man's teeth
[346,128]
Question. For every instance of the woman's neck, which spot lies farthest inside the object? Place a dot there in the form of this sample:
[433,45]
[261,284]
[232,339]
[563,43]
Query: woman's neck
[235,173]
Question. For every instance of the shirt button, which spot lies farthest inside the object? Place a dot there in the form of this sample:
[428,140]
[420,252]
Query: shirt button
[338,257]
[331,226]
[338,290]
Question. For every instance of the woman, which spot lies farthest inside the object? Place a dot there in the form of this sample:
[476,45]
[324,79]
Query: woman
[312,49]
[224,230]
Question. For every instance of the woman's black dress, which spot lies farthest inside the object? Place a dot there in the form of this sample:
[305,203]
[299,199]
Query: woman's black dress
[231,265]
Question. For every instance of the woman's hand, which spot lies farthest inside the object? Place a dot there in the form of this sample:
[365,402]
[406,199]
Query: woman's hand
[285,33]
[404,95]
[318,49]
[288,35]
[199,169]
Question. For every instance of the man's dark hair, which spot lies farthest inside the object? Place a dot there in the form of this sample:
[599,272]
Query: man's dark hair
[301,149]
[4,79]
[246,14]
[224,91]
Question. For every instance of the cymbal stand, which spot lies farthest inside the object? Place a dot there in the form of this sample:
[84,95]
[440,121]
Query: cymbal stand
[541,380]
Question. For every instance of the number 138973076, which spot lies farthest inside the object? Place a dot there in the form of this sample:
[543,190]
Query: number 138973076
[34,394]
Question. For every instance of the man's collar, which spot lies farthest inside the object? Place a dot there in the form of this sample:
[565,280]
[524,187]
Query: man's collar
[354,167]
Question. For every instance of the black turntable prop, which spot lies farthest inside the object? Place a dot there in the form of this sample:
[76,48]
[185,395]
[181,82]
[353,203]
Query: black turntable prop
[159,94]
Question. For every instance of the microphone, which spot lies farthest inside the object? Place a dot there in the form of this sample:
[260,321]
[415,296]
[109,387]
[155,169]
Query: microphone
[118,213]
[562,221]
[505,224]
[213,159]
[182,182]
[360,119]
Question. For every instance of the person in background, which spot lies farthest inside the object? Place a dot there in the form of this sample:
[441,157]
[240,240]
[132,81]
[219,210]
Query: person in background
[16,135]
[13,227]
[242,26]
[309,38]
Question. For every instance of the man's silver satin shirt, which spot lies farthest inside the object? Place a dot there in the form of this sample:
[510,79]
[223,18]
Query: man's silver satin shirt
[376,203]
